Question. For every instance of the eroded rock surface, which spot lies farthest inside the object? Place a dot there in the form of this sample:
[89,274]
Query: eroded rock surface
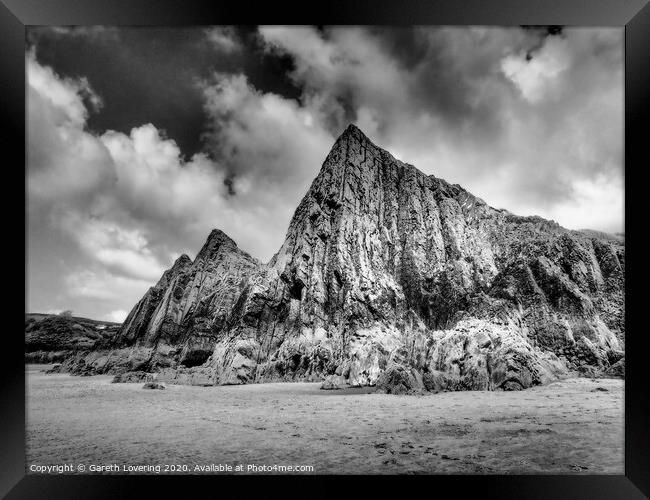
[132,377]
[181,317]
[387,275]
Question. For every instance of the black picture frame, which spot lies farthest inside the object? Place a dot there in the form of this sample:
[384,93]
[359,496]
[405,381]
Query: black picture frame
[634,15]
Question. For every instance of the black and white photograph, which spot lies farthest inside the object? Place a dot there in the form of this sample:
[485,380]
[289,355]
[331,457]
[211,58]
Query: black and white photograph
[310,250]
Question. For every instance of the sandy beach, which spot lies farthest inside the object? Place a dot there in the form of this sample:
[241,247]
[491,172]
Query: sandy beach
[570,426]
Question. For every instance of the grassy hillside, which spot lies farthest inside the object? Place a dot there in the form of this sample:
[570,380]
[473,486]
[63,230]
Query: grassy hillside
[51,338]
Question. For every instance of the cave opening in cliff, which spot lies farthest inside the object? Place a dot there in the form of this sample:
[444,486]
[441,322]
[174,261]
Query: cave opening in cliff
[296,289]
[195,357]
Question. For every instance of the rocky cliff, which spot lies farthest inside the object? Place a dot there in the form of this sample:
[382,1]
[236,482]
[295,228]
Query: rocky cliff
[387,274]
[183,314]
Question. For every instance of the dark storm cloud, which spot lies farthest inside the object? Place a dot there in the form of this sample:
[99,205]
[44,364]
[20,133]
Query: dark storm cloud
[150,75]
[447,65]
[443,81]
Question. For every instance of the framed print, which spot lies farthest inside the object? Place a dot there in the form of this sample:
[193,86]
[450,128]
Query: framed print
[371,240]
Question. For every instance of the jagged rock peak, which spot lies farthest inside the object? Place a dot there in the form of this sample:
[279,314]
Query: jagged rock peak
[183,260]
[354,135]
[217,235]
[188,305]
[354,146]
[352,131]
[180,265]
[217,242]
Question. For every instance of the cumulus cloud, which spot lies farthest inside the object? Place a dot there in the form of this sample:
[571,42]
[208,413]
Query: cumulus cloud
[347,68]
[102,285]
[269,145]
[223,38]
[117,316]
[522,119]
[122,251]
[59,150]
[119,198]
[131,203]
[537,77]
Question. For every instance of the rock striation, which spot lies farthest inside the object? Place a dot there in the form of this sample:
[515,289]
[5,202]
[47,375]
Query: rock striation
[388,277]
[181,317]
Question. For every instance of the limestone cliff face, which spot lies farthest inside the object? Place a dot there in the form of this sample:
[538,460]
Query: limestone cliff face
[136,324]
[182,315]
[383,264]
[384,267]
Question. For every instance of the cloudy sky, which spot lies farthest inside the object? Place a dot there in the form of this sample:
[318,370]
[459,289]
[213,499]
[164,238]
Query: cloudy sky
[142,140]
